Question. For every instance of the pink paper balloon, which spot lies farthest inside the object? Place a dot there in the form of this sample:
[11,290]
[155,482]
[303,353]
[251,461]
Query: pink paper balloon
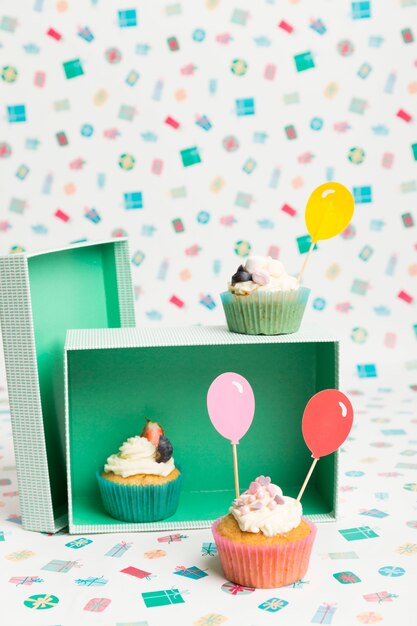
[231,405]
[327,421]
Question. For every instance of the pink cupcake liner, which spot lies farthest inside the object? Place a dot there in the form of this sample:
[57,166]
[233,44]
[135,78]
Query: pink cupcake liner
[264,567]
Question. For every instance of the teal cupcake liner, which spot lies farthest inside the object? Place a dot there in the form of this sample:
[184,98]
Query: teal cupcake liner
[265,312]
[140,503]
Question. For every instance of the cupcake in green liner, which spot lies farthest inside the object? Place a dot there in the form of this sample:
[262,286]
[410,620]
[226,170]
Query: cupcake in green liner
[262,299]
[141,483]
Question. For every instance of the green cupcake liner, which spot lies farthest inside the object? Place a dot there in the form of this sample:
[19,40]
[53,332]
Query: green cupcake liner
[140,503]
[265,312]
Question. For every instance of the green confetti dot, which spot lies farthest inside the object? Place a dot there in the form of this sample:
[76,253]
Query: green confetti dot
[356,155]
[242,248]
[127,161]
[359,335]
[41,601]
[9,74]
[239,67]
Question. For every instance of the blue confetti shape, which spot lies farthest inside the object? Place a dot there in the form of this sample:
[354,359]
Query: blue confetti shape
[362,195]
[245,106]
[361,10]
[367,371]
[133,200]
[391,571]
[127,18]
[16,113]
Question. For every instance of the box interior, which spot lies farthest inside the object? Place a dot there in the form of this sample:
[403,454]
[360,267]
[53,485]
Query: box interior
[75,288]
[111,391]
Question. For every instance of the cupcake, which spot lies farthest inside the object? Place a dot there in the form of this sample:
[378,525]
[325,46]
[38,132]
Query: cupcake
[264,541]
[141,483]
[262,299]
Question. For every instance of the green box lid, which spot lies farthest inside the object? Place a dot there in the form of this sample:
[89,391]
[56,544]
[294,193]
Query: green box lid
[41,296]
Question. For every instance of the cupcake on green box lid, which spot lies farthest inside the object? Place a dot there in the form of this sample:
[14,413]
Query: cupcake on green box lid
[264,541]
[262,299]
[141,483]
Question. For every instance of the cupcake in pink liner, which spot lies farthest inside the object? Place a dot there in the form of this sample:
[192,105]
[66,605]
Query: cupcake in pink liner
[262,299]
[264,541]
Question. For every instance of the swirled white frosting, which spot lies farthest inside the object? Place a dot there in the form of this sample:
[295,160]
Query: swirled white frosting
[263,508]
[137,456]
[267,275]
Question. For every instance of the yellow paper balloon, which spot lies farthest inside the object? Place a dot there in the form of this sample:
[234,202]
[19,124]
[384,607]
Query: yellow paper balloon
[329,210]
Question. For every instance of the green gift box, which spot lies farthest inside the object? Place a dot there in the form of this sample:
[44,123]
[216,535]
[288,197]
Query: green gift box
[191,156]
[303,61]
[359,532]
[347,578]
[162,598]
[114,378]
[73,69]
[41,296]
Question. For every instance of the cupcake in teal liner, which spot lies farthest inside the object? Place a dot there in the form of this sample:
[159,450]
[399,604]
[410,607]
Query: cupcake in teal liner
[262,299]
[141,483]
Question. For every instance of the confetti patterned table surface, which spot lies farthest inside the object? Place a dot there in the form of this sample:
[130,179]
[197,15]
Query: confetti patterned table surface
[363,568]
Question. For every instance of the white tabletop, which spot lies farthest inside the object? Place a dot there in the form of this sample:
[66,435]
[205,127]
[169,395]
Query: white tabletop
[349,581]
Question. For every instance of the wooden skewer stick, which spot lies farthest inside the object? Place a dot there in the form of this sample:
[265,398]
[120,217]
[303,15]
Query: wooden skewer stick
[235,469]
[310,471]
[300,275]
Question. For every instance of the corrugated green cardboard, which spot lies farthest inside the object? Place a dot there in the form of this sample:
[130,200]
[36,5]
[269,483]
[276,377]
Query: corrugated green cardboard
[114,378]
[41,297]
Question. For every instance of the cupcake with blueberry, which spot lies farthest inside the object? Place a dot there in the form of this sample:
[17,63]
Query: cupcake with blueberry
[264,541]
[141,483]
[262,299]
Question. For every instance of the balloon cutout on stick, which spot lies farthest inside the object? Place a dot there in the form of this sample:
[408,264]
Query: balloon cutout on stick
[329,210]
[327,421]
[231,406]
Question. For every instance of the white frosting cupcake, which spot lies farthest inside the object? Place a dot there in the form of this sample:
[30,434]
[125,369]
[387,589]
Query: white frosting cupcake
[262,274]
[137,455]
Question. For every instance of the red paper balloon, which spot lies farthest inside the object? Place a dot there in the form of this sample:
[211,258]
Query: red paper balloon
[327,421]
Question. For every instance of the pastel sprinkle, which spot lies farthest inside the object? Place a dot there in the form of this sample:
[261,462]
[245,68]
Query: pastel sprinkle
[263,480]
[272,490]
[261,277]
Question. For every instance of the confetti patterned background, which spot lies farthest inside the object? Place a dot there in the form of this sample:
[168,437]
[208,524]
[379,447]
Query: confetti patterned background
[199,129]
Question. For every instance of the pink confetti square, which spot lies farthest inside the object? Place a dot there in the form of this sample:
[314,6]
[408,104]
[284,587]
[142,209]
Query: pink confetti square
[97,605]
